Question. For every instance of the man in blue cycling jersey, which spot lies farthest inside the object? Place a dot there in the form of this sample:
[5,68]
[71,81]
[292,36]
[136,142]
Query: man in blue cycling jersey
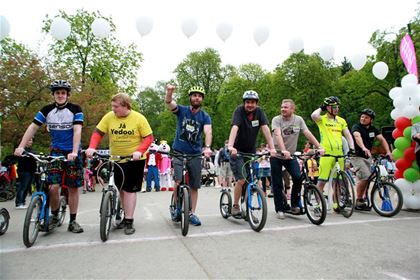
[64,121]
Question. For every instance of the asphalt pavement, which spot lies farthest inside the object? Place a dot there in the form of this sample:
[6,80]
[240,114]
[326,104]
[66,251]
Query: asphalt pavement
[366,246]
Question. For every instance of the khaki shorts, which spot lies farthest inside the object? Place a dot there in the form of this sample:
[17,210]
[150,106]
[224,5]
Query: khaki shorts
[361,167]
[225,170]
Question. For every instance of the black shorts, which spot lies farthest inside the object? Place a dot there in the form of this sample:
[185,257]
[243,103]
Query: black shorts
[133,175]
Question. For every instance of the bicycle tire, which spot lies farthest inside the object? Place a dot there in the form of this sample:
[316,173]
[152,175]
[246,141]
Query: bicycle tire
[10,195]
[3,196]
[225,204]
[185,211]
[61,210]
[345,195]
[315,205]
[32,218]
[106,215]
[4,220]
[256,203]
[387,200]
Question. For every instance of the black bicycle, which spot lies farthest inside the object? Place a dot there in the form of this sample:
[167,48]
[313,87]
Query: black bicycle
[4,220]
[37,216]
[253,203]
[385,197]
[180,206]
[312,200]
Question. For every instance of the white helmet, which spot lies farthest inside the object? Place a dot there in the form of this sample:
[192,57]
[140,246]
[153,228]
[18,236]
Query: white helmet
[250,95]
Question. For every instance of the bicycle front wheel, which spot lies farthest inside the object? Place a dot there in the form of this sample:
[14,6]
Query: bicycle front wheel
[225,204]
[387,199]
[315,205]
[257,209]
[344,195]
[4,220]
[106,215]
[61,210]
[32,222]
[185,211]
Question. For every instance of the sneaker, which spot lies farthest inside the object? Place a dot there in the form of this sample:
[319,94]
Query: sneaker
[336,208]
[176,215]
[194,220]
[53,222]
[84,191]
[75,227]
[280,215]
[129,229]
[270,195]
[360,204]
[21,207]
[121,225]
[236,211]
[295,210]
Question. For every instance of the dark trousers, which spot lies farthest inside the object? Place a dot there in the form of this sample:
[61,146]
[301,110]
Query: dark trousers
[292,166]
[22,188]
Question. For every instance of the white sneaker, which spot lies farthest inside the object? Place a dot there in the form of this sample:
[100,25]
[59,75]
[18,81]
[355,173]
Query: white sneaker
[22,206]
[280,215]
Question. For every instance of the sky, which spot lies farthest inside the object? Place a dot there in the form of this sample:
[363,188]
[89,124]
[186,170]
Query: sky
[346,25]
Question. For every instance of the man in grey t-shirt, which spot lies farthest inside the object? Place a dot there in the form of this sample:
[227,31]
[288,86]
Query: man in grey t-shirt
[286,129]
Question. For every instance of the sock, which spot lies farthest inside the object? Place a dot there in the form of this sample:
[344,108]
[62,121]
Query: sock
[72,217]
[55,212]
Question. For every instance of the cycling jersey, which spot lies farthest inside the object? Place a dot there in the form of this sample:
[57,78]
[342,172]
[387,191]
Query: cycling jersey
[60,122]
[331,131]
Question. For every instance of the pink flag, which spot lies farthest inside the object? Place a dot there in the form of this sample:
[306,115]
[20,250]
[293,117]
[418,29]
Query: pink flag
[408,55]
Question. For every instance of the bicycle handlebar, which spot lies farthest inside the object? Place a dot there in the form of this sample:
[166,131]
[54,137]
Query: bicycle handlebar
[112,157]
[44,158]
[181,155]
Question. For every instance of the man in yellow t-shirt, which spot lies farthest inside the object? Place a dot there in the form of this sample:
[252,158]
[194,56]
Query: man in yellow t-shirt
[129,134]
[331,128]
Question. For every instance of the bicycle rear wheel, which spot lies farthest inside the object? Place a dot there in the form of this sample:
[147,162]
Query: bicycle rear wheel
[106,215]
[32,222]
[256,209]
[185,211]
[4,220]
[61,211]
[344,195]
[387,199]
[225,204]
[315,205]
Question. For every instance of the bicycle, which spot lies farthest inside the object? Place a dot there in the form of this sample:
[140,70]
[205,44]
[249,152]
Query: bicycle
[344,194]
[110,211]
[7,191]
[385,197]
[254,210]
[37,216]
[180,205]
[314,205]
[4,220]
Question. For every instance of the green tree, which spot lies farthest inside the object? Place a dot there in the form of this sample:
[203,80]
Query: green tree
[103,61]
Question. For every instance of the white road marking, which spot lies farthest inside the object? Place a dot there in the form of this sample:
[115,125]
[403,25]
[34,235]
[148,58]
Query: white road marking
[199,235]
[394,275]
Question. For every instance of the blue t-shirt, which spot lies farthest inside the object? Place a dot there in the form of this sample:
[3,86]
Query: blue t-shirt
[60,123]
[189,130]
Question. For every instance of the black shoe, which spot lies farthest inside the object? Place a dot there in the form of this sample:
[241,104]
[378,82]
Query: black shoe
[75,227]
[129,229]
[121,225]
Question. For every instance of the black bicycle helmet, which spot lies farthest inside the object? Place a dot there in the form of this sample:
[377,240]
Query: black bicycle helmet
[60,84]
[197,89]
[250,95]
[368,112]
[332,100]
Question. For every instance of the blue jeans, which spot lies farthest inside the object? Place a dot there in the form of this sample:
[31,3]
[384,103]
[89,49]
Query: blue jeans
[292,166]
[25,181]
[152,173]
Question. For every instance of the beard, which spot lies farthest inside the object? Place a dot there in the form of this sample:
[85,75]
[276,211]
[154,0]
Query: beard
[195,105]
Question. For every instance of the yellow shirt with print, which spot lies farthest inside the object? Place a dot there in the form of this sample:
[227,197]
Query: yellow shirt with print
[331,131]
[125,134]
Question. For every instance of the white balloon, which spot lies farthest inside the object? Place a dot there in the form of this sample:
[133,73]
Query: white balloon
[189,27]
[395,92]
[100,28]
[144,25]
[60,28]
[296,44]
[416,187]
[409,79]
[410,90]
[224,30]
[261,34]
[400,102]
[380,70]
[410,111]
[396,113]
[412,202]
[4,27]
[327,52]
[404,185]
[358,61]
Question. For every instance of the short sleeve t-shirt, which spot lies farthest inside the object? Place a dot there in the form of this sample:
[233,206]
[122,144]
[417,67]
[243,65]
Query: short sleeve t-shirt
[290,130]
[60,122]
[331,131]
[368,136]
[189,130]
[126,133]
[248,125]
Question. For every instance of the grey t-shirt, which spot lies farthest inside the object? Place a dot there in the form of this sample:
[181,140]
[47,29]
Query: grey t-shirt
[290,130]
